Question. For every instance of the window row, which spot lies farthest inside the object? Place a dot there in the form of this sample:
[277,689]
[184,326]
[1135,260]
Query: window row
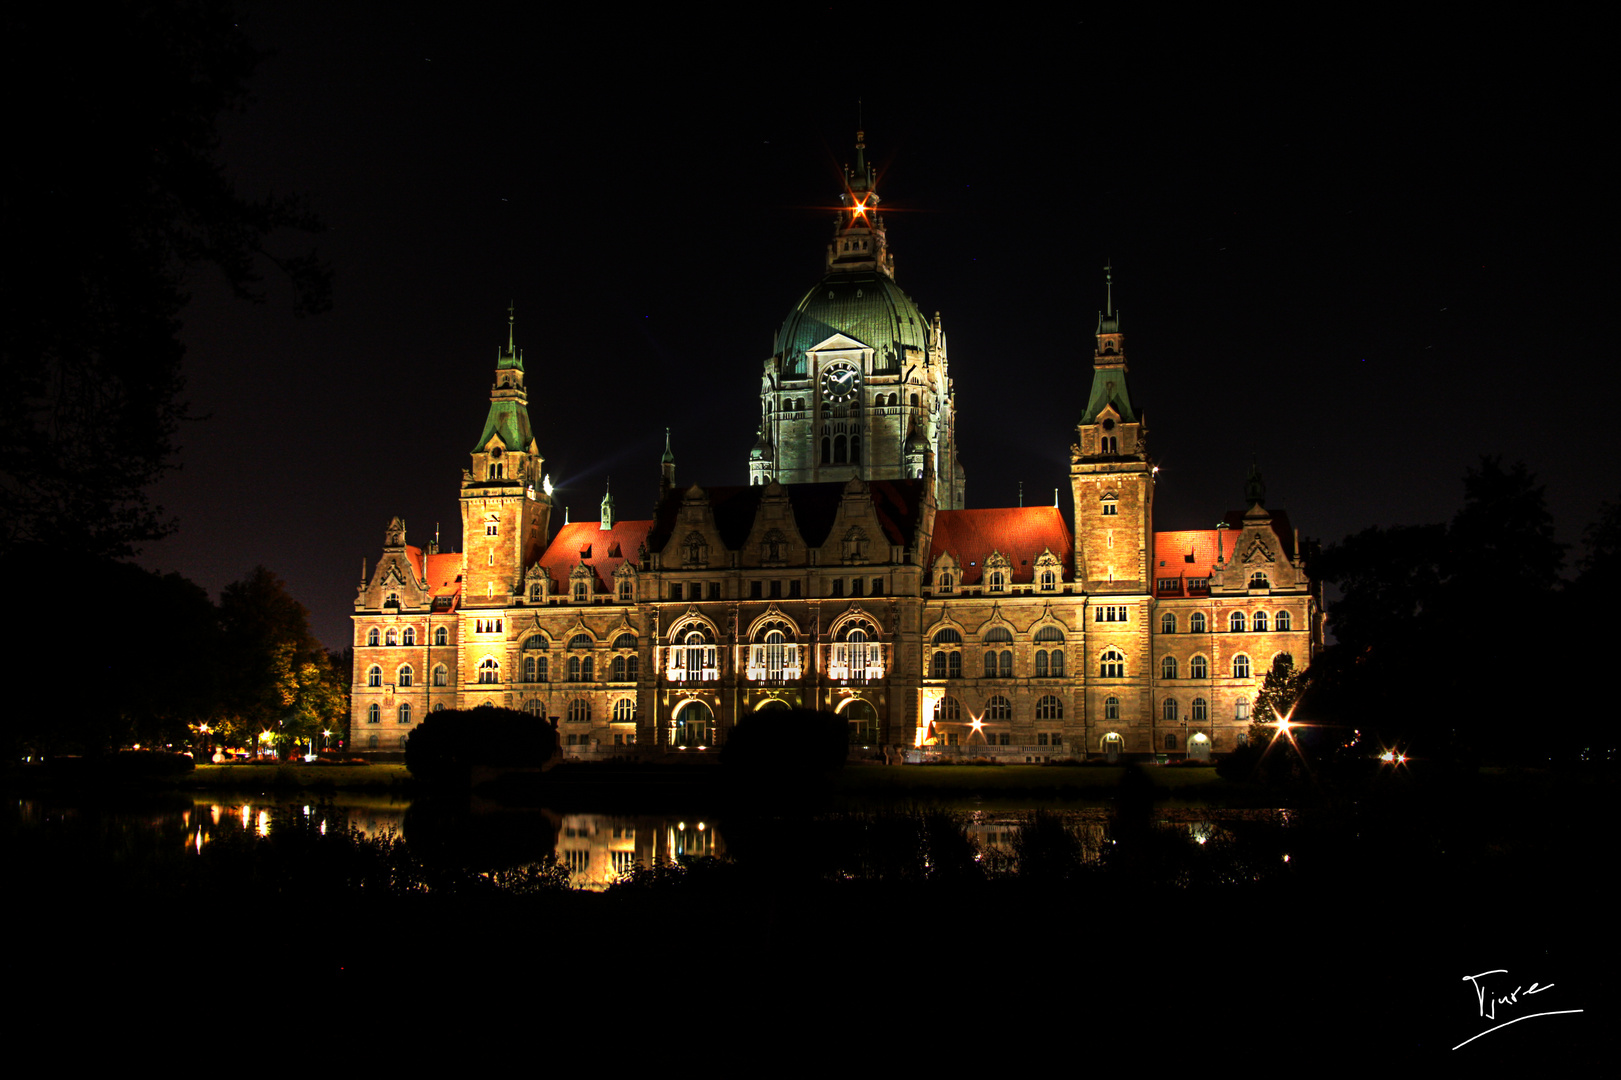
[950,710]
[1170,710]
[1237,622]
[996,635]
[1199,667]
[406,635]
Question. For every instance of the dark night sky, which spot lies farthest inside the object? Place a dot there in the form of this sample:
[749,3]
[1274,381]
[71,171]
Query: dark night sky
[1362,256]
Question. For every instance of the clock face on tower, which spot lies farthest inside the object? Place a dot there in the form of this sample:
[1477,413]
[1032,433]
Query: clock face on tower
[840,383]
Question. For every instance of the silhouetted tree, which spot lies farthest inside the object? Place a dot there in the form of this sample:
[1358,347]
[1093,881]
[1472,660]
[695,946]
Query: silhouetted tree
[444,748]
[275,676]
[121,196]
[785,741]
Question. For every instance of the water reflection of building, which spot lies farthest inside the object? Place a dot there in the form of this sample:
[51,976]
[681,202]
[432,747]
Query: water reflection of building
[848,574]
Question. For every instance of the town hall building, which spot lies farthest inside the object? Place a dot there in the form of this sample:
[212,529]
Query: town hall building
[848,574]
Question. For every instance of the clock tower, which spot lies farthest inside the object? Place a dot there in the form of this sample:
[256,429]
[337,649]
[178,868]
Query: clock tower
[859,385]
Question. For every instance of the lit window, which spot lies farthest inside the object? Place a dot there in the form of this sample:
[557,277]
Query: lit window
[998,581]
[1241,709]
[488,670]
[1111,708]
[948,709]
[1113,664]
[392,637]
[624,710]
[441,675]
[947,583]
[372,637]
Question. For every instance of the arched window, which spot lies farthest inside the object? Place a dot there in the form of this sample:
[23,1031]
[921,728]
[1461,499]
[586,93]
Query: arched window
[949,710]
[408,636]
[1167,710]
[373,714]
[625,641]
[693,660]
[374,676]
[405,712]
[372,636]
[1259,623]
[694,725]
[1241,666]
[862,719]
[1056,663]
[990,665]
[624,710]
[580,641]
[1111,708]
[1006,671]
[441,636]
[627,590]
[1282,622]
[997,581]
[947,664]
[949,635]
[1200,711]
[488,670]
[441,675]
[530,668]
[535,707]
[1112,665]
[630,668]
[403,676]
[1041,663]
[1049,708]
[1235,622]
[1049,581]
[947,583]
[534,593]
[1196,623]
[998,635]
[1241,709]
[1167,667]
[1167,623]
[858,656]
[1198,668]
[998,708]
[580,591]
[1258,580]
[1170,742]
[619,669]
[579,711]
[392,637]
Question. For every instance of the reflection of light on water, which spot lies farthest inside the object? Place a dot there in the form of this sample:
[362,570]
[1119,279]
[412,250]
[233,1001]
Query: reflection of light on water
[264,823]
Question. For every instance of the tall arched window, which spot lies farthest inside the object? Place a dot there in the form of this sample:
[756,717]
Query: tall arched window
[624,710]
[1049,708]
[862,719]
[373,714]
[373,637]
[1167,667]
[693,660]
[392,637]
[374,676]
[441,675]
[408,636]
[1111,708]
[694,725]
[1196,622]
[1235,622]
[405,712]
[1167,623]
[998,708]
[1167,710]
[441,636]
[1112,665]
[1282,622]
[1241,666]
[403,676]
[488,670]
[1259,623]
[1201,710]
[1198,668]
[619,669]
[579,711]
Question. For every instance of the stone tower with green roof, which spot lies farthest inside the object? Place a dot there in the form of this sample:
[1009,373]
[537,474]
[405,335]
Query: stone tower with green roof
[1110,474]
[506,511]
[858,385]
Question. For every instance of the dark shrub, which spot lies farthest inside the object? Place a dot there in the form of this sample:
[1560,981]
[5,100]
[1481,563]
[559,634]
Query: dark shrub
[798,740]
[445,747]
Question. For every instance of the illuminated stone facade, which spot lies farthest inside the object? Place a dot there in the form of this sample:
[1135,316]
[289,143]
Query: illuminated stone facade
[855,580]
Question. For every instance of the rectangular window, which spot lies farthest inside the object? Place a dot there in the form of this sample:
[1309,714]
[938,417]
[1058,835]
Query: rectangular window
[877,586]
[793,589]
[1109,509]
[838,586]
[754,590]
[855,586]
[714,590]
[1041,738]
[776,590]
[675,590]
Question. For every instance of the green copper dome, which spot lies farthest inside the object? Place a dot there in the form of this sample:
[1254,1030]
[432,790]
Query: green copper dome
[862,304]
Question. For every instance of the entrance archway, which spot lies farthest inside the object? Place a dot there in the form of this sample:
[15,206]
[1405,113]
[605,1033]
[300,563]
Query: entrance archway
[694,726]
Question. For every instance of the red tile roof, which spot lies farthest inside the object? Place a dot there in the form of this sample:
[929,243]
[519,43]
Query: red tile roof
[603,552]
[1020,533]
[1190,553]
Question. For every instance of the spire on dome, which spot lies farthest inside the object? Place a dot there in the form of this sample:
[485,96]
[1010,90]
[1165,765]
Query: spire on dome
[858,241]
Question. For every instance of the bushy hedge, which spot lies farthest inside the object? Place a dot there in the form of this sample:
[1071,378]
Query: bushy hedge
[445,747]
[801,740]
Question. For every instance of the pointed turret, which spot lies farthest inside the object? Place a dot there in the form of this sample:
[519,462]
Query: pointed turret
[666,468]
[608,509]
[859,242]
[1254,486]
